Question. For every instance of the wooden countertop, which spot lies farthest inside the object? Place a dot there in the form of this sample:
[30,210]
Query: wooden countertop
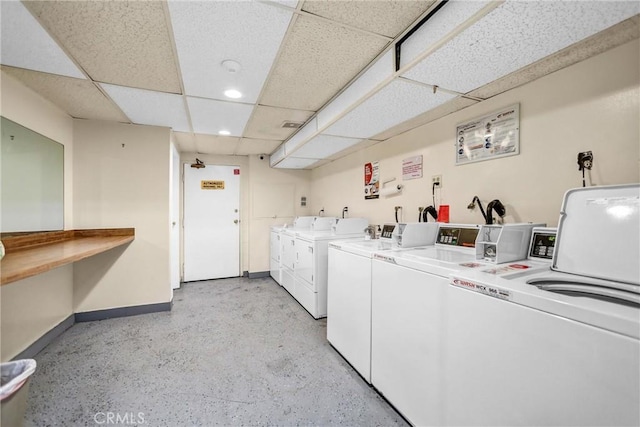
[35,253]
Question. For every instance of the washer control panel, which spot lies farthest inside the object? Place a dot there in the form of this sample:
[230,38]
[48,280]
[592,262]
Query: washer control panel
[543,243]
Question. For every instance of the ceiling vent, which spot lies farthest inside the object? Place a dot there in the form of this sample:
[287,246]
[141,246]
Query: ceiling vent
[291,125]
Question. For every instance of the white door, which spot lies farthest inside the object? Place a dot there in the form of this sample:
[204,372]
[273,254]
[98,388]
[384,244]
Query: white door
[174,249]
[211,222]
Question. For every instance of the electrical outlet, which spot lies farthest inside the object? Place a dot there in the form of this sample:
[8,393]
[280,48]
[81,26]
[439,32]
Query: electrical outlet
[438,179]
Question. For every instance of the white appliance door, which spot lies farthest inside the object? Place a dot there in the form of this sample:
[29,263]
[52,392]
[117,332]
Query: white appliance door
[305,261]
[407,324]
[211,222]
[349,308]
[288,251]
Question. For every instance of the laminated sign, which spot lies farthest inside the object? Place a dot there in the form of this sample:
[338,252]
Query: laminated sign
[212,185]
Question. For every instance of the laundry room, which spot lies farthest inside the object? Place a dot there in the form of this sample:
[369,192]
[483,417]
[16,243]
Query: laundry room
[177,261]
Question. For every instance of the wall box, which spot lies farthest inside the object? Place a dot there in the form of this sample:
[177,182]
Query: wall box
[489,137]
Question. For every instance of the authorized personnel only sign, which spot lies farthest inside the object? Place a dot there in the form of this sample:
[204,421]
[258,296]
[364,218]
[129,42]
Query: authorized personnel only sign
[212,185]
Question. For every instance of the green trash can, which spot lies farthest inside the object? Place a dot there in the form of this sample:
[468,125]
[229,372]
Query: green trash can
[14,388]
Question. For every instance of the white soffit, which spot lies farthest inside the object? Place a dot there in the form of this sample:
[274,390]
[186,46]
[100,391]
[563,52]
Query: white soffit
[25,44]
[208,33]
[514,35]
[323,146]
[450,16]
[295,163]
[210,116]
[276,156]
[375,75]
[146,107]
[306,132]
[395,103]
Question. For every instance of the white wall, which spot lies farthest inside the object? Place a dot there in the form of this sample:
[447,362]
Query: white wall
[121,179]
[33,306]
[592,105]
[264,179]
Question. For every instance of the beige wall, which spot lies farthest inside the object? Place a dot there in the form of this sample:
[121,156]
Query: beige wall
[592,105]
[121,179]
[261,179]
[31,307]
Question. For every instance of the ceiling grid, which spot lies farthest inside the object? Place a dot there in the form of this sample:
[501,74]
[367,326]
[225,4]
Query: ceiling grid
[320,63]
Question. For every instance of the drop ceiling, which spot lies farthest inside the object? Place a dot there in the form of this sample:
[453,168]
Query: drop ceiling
[334,66]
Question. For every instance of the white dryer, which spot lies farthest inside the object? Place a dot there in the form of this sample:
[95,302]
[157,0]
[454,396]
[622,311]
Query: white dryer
[349,288]
[275,253]
[287,237]
[553,347]
[408,307]
[311,262]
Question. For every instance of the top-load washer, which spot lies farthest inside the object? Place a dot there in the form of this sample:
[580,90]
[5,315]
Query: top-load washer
[408,309]
[349,288]
[311,263]
[547,346]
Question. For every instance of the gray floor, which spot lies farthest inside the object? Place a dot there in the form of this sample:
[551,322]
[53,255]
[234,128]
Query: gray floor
[231,352]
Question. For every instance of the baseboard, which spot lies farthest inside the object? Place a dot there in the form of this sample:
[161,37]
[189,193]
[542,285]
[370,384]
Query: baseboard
[46,339]
[259,274]
[90,316]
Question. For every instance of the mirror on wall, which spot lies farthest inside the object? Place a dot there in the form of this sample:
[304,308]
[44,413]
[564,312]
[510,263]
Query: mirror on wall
[32,180]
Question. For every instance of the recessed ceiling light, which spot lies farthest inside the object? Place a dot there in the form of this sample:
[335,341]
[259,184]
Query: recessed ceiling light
[233,93]
[224,132]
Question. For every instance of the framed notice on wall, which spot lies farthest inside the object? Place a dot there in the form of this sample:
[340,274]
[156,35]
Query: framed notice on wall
[489,137]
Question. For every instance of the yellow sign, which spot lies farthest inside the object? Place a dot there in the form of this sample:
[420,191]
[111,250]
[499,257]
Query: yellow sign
[212,185]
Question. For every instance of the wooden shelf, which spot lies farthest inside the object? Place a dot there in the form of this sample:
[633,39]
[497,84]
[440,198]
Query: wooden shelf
[35,253]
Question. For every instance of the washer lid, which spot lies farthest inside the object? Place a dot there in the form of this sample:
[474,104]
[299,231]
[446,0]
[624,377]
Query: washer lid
[599,233]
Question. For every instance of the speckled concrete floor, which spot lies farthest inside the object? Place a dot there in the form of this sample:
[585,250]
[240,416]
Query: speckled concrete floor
[231,352]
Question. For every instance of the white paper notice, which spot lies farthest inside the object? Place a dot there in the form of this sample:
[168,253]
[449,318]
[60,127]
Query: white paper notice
[412,168]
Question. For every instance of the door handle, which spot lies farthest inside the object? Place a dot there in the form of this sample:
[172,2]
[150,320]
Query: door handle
[235,221]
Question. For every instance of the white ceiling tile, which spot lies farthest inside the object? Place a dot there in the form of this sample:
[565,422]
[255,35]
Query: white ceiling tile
[379,72]
[451,106]
[147,107]
[25,44]
[514,35]
[80,98]
[323,146]
[248,146]
[446,19]
[295,163]
[126,43]
[266,122]
[395,103]
[316,61]
[288,3]
[388,18]
[209,116]
[207,33]
[210,144]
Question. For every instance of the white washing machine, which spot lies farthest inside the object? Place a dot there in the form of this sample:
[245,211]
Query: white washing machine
[408,314]
[275,253]
[311,263]
[349,288]
[287,237]
[552,347]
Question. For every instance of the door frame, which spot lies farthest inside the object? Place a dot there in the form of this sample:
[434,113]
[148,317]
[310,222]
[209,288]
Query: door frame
[243,208]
